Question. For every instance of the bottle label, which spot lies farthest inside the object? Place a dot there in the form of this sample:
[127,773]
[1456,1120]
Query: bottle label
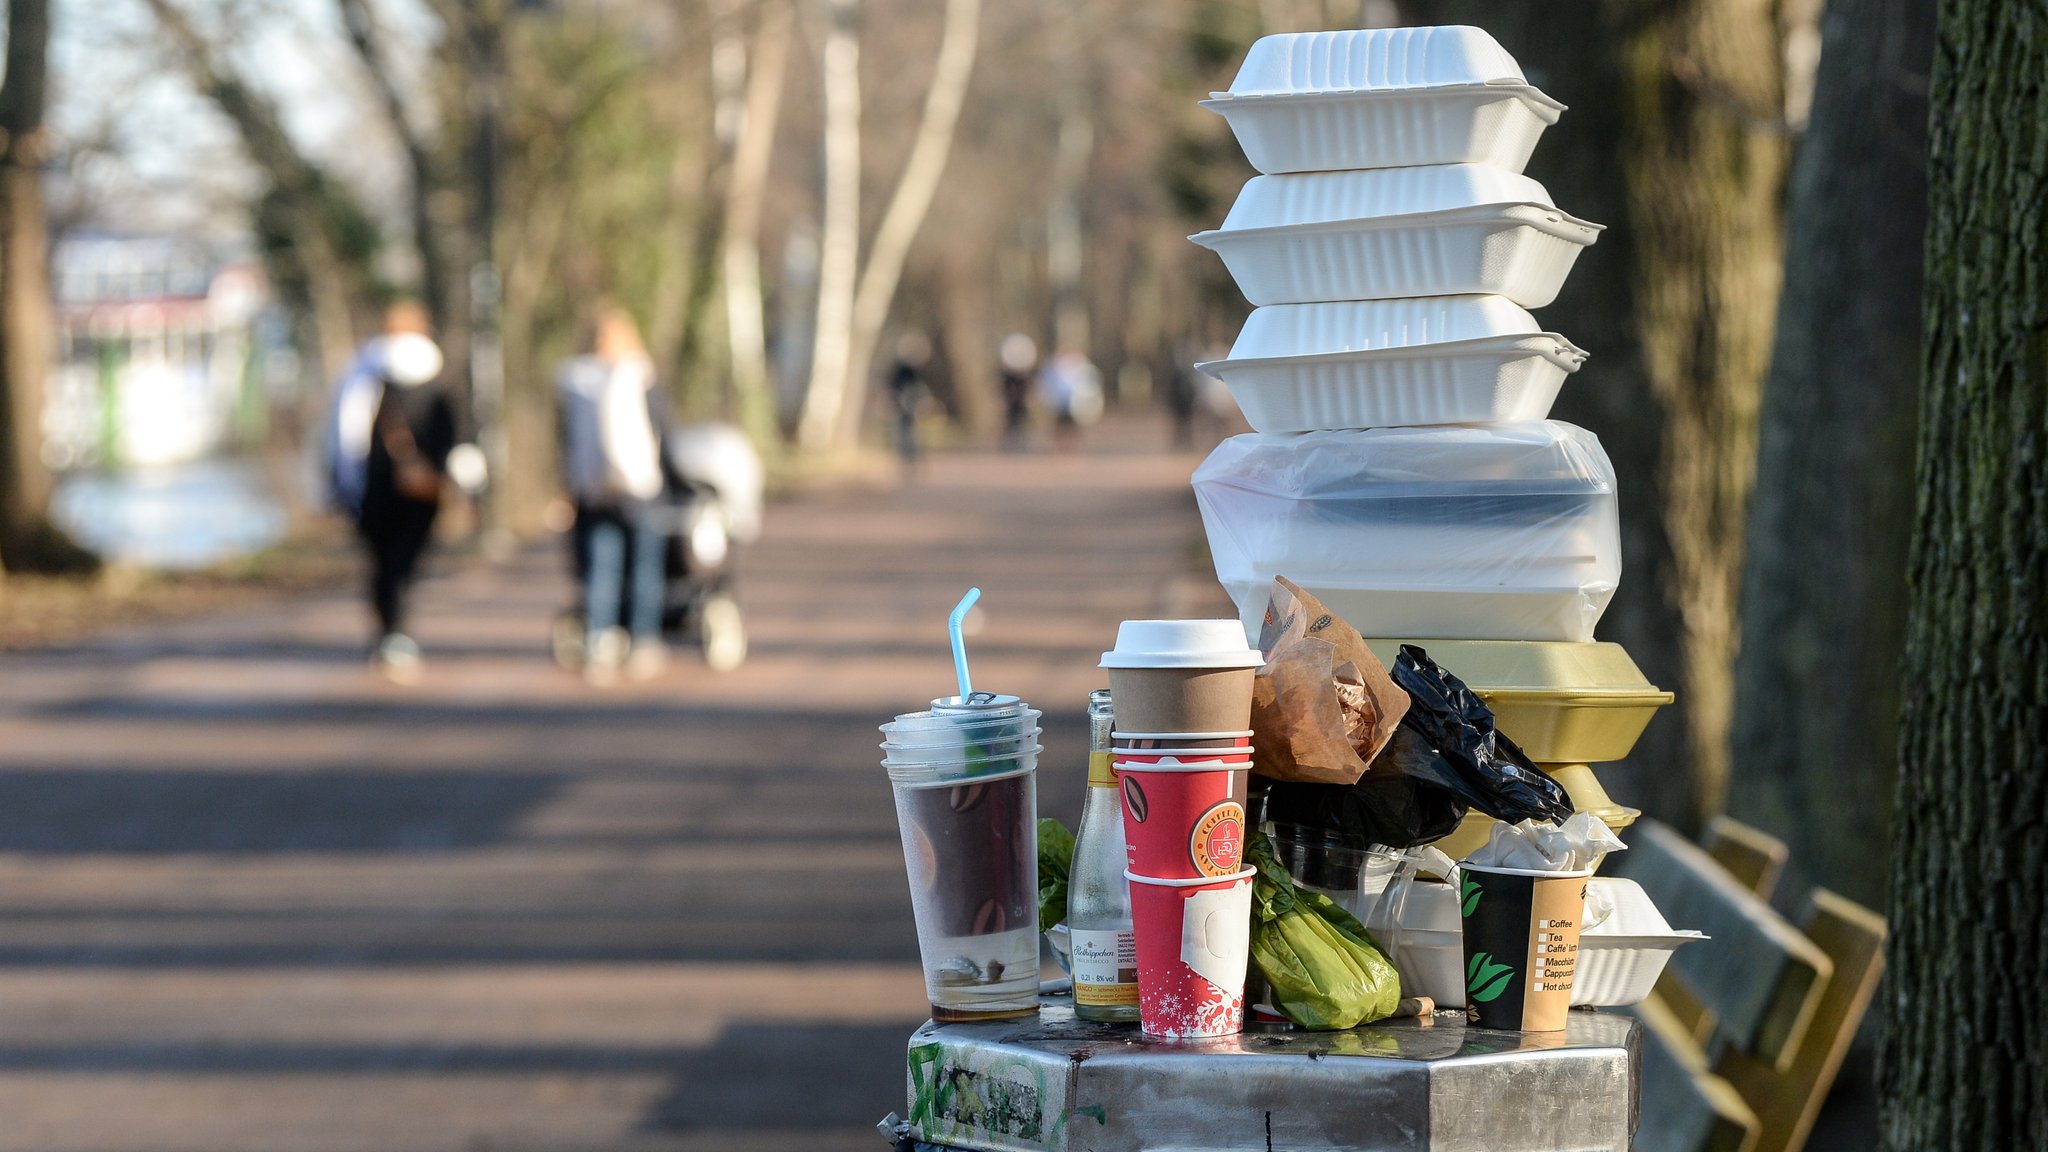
[1105,966]
[1100,774]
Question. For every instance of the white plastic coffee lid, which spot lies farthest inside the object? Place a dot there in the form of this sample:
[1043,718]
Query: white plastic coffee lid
[1181,644]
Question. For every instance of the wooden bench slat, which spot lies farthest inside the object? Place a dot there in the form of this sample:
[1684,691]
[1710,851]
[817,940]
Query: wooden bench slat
[1788,1102]
[1758,976]
[1754,857]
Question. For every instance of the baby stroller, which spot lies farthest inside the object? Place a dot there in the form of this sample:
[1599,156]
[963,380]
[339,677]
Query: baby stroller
[712,508]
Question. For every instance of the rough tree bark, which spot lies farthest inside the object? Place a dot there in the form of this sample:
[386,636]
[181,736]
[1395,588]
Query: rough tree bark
[1824,588]
[1704,159]
[28,541]
[1969,946]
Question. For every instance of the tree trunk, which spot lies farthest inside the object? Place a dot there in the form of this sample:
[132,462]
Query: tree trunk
[1577,160]
[1824,588]
[746,325]
[1705,163]
[1065,243]
[909,203]
[1969,948]
[28,541]
[825,400]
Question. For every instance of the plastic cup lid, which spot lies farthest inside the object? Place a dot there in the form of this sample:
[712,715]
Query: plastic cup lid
[1121,735]
[1181,644]
[956,721]
[990,702]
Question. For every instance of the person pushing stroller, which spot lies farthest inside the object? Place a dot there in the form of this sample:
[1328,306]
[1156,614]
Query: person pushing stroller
[614,423]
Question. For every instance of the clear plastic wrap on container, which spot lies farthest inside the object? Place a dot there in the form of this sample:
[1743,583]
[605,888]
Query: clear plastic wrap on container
[1381,363]
[1501,531]
[1383,98]
[1381,234]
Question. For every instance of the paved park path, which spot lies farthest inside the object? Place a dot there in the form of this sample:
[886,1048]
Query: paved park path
[253,898]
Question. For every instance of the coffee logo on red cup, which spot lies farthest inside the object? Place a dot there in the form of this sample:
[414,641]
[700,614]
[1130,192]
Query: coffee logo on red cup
[1134,798]
[1216,846]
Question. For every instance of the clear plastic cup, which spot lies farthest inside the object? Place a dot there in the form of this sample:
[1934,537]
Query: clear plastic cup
[959,766]
[971,850]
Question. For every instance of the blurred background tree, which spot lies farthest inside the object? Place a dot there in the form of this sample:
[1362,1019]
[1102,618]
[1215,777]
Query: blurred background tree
[776,188]
[27,539]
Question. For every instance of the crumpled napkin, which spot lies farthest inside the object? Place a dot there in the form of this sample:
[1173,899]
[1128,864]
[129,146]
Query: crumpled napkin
[1577,844]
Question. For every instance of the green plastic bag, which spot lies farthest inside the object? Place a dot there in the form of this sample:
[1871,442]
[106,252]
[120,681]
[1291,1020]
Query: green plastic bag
[1325,971]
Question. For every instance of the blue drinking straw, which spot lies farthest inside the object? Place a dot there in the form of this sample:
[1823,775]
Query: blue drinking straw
[953,623]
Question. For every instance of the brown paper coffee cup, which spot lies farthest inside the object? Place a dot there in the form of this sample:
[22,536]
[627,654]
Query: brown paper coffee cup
[1521,945]
[1182,699]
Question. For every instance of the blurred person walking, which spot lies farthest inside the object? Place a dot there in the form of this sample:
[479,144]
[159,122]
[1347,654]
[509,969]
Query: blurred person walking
[614,422]
[394,436]
[907,393]
[1072,385]
[1016,357]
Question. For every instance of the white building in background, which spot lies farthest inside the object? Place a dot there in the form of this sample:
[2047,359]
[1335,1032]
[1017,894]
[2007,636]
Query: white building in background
[157,352]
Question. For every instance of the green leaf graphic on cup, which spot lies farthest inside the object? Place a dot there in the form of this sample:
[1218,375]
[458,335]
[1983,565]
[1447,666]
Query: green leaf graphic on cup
[1486,980]
[1470,893]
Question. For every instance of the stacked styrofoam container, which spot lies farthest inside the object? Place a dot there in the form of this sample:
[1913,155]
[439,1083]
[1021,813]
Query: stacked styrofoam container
[1403,468]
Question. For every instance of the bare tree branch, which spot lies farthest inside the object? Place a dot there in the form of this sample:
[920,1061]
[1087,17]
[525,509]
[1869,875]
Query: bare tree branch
[437,276]
[335,288]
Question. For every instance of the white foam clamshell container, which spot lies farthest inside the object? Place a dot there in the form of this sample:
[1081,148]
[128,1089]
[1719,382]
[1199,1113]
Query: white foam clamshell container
[1621,957]
[1380,363]
[1382,98]
[1494,531]
[1362,58]
[1380,234]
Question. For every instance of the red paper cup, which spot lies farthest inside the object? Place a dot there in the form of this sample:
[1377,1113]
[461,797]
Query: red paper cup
[1193,939]
[1183,739]
[1184,820]
[1184,756]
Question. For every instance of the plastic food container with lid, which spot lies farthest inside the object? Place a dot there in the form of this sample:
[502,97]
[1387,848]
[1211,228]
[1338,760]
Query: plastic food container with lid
[1380,363]
[1387,233]
[1499,531]
[1383,98]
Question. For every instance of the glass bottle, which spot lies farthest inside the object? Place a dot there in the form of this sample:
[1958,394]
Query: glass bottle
[1103,948]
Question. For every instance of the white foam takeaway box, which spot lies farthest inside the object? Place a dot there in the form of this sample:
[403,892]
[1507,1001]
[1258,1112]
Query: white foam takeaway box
[1381,363]
[1491,531]
[1380,234]
[1382,98]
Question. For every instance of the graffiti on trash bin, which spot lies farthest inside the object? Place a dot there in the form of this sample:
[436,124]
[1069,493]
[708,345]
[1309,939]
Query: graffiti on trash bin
[1006,1098]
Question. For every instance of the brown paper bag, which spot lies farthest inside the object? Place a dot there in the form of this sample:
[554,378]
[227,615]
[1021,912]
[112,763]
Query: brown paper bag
[1323,705]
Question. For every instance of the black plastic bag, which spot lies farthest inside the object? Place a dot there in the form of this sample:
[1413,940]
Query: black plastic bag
[1383,807]
[1460,750]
